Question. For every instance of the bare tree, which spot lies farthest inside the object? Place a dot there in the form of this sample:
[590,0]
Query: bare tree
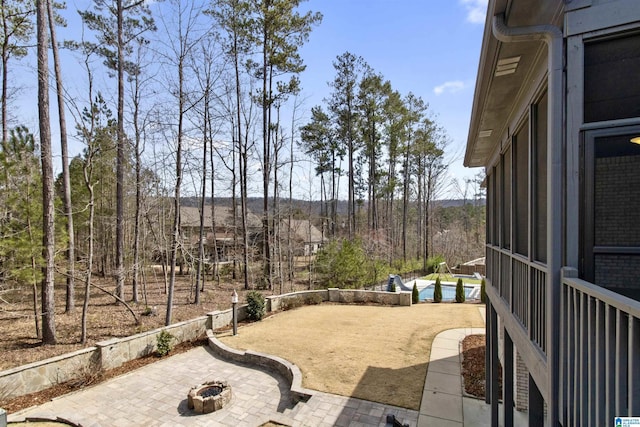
[123,21]
[179,47]
[66,181]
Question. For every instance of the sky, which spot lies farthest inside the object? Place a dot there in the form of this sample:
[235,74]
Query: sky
[428,47]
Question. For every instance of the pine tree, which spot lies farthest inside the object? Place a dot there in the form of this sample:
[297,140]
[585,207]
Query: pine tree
[437,291]
[460,297]
[279,32]
[343,106]
[16,29]
[48,216]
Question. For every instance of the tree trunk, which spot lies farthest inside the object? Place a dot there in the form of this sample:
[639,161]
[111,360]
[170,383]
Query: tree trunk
[48,223]
[199,268]
[266,150]
[138,166]
[405,202]
[120,158]
[5,95]
[66,181]
[176,202]
[87,283]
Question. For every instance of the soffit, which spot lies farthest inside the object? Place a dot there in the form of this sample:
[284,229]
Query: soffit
[497,96]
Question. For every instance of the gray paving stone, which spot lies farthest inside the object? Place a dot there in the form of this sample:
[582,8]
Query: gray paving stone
[155,395]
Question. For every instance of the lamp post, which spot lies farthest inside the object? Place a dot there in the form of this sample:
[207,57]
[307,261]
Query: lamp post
[234,303]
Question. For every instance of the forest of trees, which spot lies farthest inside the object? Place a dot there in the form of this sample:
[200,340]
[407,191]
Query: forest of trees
[203,99]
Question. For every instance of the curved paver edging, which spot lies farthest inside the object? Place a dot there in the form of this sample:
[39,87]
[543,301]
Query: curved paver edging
[273,363]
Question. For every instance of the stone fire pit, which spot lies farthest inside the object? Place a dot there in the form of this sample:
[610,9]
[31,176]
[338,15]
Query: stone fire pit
[208,397]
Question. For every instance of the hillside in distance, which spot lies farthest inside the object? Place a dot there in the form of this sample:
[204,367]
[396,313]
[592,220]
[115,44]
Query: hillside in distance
[306,207]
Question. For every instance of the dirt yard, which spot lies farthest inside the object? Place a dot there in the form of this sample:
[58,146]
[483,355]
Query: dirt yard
[106,319]
[377,353]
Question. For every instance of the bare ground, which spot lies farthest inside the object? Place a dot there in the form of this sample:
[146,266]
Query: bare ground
[473,364]
[377,353]
[106,319]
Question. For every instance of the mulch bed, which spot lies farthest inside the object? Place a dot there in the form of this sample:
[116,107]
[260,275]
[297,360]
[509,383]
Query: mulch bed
[43,396]
[473,366]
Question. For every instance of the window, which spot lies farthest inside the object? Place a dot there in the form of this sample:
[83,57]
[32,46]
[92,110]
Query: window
[495,217]
[610,235]
[611,83]
[490,211]
[521,194]
[539,178]
[506,199]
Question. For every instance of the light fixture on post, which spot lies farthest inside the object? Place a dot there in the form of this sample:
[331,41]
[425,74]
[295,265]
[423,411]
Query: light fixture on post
[234,304]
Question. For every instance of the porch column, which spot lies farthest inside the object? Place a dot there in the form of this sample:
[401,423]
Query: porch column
[492,379]
[536,405]
[507,375]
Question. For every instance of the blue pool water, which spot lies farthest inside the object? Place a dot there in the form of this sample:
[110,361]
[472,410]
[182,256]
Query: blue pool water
[448,292]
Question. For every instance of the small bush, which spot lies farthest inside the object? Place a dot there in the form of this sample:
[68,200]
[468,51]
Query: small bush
[392,287]
[255,305]
[415,295]
[483,292]
[291,303]
[433,262]
[164,343]
[437,291]
[150,311]
[460,291]
[314,299]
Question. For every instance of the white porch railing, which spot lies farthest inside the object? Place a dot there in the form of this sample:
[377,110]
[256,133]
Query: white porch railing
[599,354]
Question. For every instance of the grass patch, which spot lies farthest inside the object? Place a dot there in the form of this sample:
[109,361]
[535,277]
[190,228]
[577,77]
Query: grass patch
[451,278]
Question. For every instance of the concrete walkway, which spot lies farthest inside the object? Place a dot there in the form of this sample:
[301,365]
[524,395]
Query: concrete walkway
[443,400]
[442,395]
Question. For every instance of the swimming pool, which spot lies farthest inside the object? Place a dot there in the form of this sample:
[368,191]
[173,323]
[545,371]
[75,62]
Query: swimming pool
[449,292]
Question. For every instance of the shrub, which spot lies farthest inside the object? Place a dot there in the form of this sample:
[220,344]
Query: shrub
[164,343]
[437,291]
[291,303]
[392,287]
[150,311]
[340,264]
[255,305]
[483,291]
[415,295]
[433,262]
[314,299]
[460,291]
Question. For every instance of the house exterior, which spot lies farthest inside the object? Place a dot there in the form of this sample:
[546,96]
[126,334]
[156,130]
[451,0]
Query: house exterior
[555,111]
[218,231]
[306,238]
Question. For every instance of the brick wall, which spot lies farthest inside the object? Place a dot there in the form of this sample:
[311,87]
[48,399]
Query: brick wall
[521,383]
[617,203]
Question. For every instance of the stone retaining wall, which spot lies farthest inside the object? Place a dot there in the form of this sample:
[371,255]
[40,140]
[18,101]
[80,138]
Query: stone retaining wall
[114,352]
[117,351]
[37,376]
[345,296]
[105,355]
[276,364]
